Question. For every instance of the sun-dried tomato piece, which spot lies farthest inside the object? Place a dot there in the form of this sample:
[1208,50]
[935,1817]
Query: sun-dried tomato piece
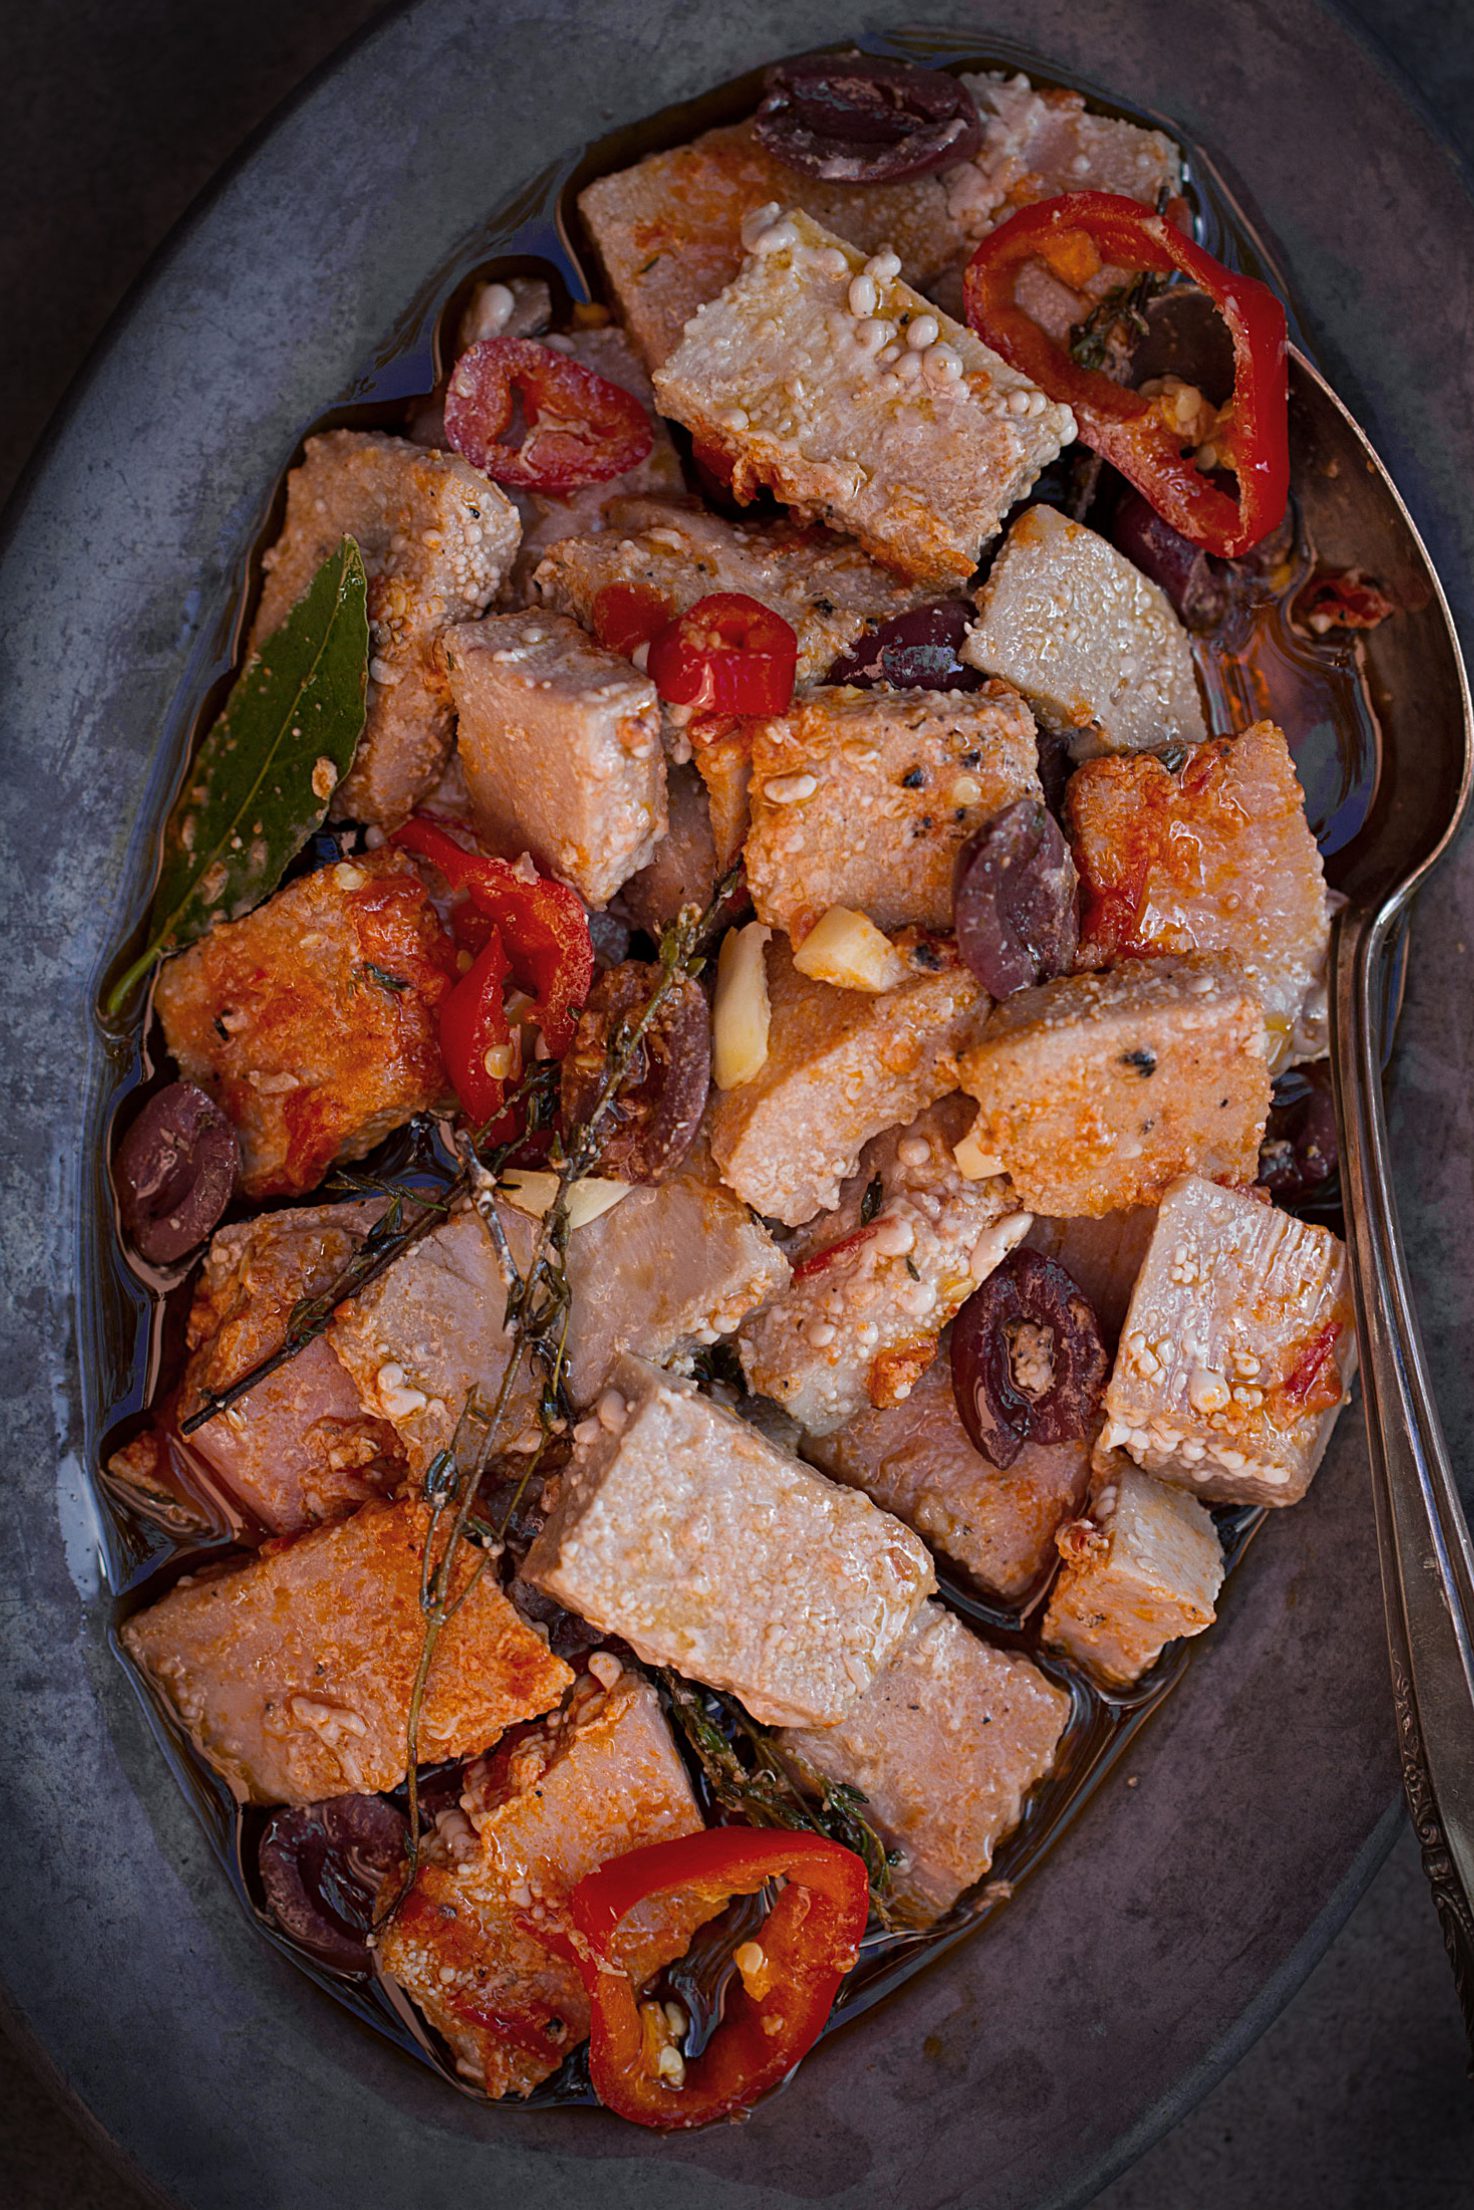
[859,120]
[1028,1361]
[652,1124]
[577,427]
[1342,598]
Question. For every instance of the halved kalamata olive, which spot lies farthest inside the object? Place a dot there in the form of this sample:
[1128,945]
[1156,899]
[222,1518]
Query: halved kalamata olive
[653,1122]
[1191,579]
[1015,899]
[175,1171]
[913,652]
[1301,1148]
[322,1866]
[1028,1362]
[859,120]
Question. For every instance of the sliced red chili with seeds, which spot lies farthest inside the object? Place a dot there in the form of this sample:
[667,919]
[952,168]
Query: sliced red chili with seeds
[577,426]
[727,654]
[858,119]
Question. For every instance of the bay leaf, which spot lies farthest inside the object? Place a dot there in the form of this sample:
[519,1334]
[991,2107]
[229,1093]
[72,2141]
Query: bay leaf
[261,781]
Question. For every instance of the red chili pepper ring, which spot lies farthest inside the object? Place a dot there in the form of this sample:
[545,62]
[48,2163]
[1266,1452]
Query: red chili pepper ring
[1123,425]
[578,426]
[727,654]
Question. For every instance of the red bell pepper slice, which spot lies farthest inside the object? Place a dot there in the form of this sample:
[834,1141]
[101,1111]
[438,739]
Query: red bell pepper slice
[727,654]
[1123,425]
[473,1028]
[628,615]
[579,427]
[810,1939]
[542,925]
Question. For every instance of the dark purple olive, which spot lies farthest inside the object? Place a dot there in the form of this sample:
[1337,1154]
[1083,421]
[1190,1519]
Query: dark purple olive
[858,120]
[1028,1362]
[1015,900]
[175,1172]
[1192,581]
[918,651]
[653,1121]
[1055,768]
[568,1635]
[1301,1149]
[322,1867]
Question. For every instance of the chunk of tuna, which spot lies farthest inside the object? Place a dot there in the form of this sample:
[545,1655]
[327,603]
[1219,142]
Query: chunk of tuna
[1238,1348]
[1036,145]
[862,799]
[1141,1570]
[1212,855]
[842,1066]
[682,870]
[1102,1257]
[1096,1091]
[826,590]
[293,1674]
[678,1527]
[472,1942]
[870,1295]
[559,742]
[312,1021]
[673,1264]
[299,1446]
[437,538]
[914,1459]
[906,431]
[429,1334]
[669,230]
[1094,646]
[945,1748]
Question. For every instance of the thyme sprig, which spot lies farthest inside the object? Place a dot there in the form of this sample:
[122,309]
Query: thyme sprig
[773,1785]
[1116,324]
[538,1309]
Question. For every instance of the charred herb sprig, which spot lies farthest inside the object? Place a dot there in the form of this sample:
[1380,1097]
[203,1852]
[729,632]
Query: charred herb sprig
[773,1787]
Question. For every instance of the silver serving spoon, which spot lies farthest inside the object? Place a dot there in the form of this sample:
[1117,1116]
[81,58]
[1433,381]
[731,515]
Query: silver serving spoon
[1355,518]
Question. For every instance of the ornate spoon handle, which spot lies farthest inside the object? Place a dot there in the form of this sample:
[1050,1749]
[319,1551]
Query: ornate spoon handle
[1422,1533]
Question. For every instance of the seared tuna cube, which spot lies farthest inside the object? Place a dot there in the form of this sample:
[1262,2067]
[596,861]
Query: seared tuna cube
[679,1527]
[1096,1091]
[673,1264]
[945,1748]
[683,868]
[1037,145]
[914,1459]
[293,1674]
[841,1067]
[559,742]
[1094,646]
[1238,1349]
[875,1282]
[428,1334]
[826,590]
[1142,1569]
[298,1447]
[475,1943]
[1212,854]
[1101,1256]
[312,1021]
[862,799]
[823,378]
[669,230]
[437,538]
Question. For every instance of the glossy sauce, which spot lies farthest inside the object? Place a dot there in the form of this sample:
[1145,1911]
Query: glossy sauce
[132,1348]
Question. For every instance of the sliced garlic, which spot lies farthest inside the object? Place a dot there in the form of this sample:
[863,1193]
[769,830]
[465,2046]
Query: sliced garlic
[973,1163]
[849,951]
[740,1017]
[532,1191]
